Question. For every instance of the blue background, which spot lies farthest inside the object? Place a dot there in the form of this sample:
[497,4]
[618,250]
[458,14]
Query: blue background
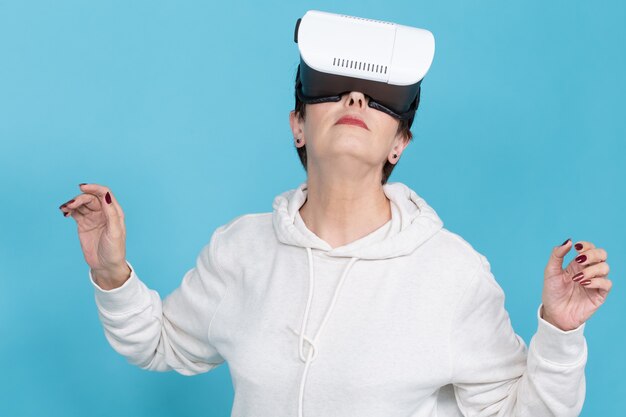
[181,108]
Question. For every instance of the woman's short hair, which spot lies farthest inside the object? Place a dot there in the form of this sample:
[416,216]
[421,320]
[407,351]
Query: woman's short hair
[404,128]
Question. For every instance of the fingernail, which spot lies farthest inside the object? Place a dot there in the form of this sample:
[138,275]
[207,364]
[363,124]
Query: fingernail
[585,282]
[65,213]
[107,197]
[578,246]
[82,183]
[578,277]
[65,204]
[563,244]
[580,259]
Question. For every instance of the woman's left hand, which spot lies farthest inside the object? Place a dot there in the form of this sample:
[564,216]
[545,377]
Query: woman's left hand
[571,295]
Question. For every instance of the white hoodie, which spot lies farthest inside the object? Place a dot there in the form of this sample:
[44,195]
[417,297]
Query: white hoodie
[373,328]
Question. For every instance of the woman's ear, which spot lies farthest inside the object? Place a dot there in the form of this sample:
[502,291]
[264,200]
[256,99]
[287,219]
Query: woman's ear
[400,143]
[296,125]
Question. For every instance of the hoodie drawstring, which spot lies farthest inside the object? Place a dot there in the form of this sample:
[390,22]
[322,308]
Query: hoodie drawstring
[312,352]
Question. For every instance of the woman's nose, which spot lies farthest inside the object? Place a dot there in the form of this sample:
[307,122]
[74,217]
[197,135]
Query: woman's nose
[357,99]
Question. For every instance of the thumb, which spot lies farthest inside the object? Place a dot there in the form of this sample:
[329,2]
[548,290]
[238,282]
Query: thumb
[555,264]
[109,205]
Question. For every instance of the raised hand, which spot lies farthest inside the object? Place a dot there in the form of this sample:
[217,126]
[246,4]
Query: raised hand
[572,295]
[102,234]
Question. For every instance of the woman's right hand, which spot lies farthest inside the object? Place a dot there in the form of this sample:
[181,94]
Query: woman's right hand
[102,234]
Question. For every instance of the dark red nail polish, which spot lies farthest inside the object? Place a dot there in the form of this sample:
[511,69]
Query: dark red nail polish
[585,282]
[578,277]
[578,246]
[65,204]
[107,197]
[83,183]
[580,259]
[563,244]
[65,213]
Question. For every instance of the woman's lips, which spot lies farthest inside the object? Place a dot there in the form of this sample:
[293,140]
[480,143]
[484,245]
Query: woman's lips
[350,120]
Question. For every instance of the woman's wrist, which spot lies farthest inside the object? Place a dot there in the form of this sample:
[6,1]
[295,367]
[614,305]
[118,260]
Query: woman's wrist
[111,279]
[549,319]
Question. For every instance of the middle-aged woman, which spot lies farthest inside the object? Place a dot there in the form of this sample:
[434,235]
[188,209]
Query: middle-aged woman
[350,298]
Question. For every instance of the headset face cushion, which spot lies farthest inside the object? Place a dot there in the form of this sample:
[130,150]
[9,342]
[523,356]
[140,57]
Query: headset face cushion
[318,87]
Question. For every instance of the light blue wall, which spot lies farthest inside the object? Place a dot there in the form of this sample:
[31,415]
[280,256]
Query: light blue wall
[182,109]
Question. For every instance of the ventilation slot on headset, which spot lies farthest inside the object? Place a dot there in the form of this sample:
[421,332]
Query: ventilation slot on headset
[367,20]
[362,66]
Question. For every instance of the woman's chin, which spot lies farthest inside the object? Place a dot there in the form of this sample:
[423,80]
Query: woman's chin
[348,157]
[350,140]
[345,147]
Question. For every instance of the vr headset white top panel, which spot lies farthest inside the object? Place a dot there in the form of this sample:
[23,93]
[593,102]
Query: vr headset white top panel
[365,48]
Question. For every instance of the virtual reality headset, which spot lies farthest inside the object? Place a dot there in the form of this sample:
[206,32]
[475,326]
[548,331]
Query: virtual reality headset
[383,60]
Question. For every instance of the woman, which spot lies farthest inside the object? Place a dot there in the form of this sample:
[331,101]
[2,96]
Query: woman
[349,298]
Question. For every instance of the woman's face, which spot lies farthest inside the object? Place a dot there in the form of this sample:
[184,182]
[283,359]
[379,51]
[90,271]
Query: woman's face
[331,144]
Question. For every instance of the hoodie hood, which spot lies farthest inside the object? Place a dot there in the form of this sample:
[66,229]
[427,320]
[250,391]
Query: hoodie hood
[412,223]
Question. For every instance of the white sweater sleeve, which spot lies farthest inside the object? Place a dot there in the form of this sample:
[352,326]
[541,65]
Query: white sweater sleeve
[494,374]
[173,334]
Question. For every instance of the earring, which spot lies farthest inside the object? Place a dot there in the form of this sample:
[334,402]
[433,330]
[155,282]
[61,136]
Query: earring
[395,156]
[297,140]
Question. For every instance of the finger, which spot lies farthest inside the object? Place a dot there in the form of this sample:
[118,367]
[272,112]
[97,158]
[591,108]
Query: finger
[110,207]
[592,271]
[591,256]
[101,201]
[66,203]
[66,212]
[81,204]
[89,202]
[83,210]
[600,283]
[74,214]
[555,263]
[582,246]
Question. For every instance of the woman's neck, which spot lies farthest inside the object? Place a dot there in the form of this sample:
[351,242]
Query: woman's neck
[342,210]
